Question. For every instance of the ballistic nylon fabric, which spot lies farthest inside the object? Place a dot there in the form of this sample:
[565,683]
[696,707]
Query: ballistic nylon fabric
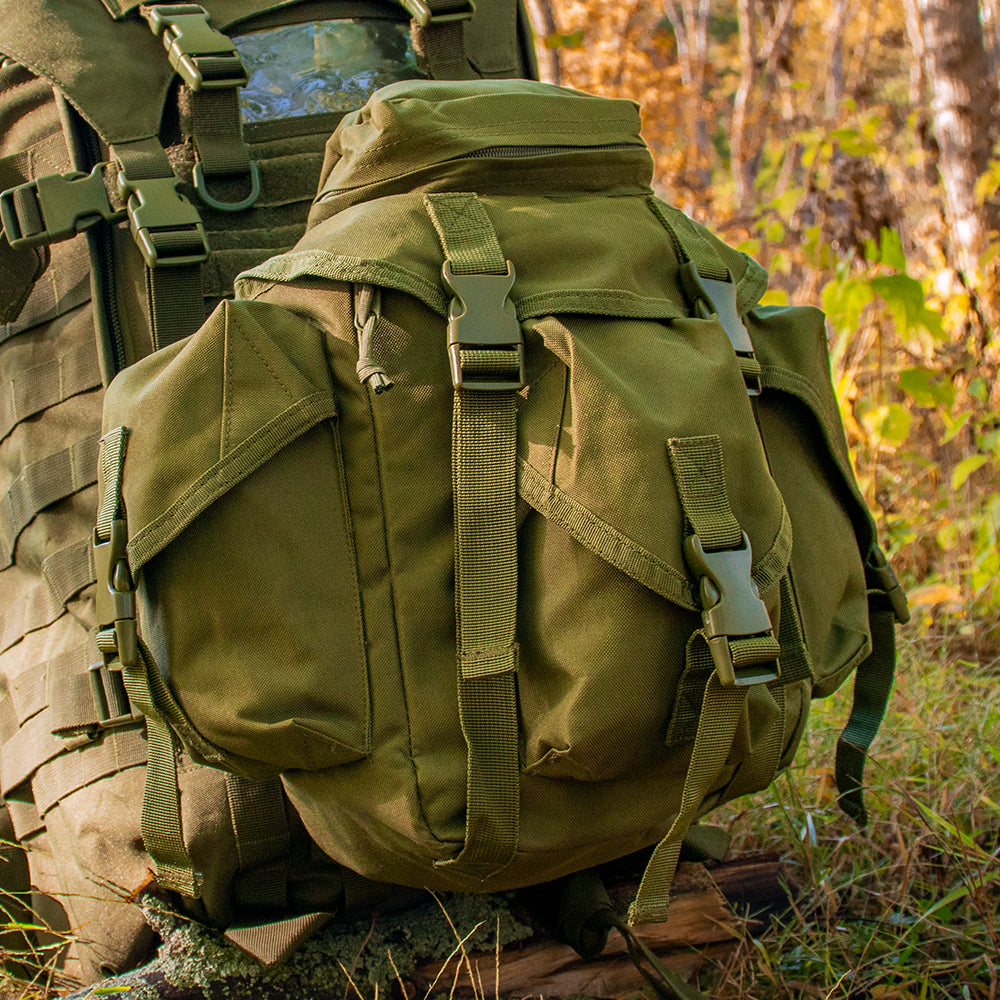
[43,483]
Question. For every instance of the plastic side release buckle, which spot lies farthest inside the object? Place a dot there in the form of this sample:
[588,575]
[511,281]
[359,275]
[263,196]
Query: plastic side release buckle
[423,15]
[115,598]
[482,317]
[55,207]
[205,58]
[708,296]
[164,224]
[880,576]
[731,608]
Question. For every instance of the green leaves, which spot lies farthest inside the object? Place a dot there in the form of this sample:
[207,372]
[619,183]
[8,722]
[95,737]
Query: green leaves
[570,40]
[927,387]
[965,468]
[904,298]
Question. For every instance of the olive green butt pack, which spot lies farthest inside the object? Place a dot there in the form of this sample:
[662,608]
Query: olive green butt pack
[497,518]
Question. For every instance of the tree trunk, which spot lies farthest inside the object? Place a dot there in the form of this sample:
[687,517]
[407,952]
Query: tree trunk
[965,119]
[544,20]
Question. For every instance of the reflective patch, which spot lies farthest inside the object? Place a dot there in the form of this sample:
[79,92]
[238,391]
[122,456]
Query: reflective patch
[322,66]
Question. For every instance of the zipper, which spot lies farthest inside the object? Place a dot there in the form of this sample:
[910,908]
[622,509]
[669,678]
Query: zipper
[518,152]
[502,153]
[85,152]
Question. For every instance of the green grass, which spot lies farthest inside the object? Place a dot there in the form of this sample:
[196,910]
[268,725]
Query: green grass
[910,908]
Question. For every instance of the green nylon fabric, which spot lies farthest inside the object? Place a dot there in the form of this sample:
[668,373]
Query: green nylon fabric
[872,687]
[256,453]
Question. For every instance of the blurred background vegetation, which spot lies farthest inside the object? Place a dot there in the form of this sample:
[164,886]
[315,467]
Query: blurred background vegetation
[850,145]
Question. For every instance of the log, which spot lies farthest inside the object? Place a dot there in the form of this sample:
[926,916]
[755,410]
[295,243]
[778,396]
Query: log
[701,924]
[401,953]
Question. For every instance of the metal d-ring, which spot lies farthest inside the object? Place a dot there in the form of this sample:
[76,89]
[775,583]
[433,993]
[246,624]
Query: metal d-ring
[227,206]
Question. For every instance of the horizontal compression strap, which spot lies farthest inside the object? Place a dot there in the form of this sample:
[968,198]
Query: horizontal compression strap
[42,483]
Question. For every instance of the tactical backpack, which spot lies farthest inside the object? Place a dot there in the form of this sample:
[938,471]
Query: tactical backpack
[132,123]
[497,517]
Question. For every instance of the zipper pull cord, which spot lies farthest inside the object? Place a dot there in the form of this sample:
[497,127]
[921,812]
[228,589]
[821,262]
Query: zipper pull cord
[368,302]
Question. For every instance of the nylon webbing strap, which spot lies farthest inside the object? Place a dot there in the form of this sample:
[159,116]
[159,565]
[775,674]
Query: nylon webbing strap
[42,483]
[872,687]
[484,455]
[737,635]
[37,388]
[737,625]
[161,812]
[438,30]
[260,827]
[212,70]
[693,247]
[721,712]
[708,285]
[701,484]
[169,233]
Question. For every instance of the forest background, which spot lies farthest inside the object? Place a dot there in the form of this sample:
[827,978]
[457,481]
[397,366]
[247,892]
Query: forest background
[851,146]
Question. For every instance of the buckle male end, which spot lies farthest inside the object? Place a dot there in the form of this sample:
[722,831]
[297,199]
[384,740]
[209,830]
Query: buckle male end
[710,296]
[203,57]
[165,225]
[55,207]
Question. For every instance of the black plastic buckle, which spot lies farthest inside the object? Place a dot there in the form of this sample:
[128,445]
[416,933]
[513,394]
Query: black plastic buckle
[164,224]
[423,15]
[710,296]
[881,577]
[115,598]
[205,58]
[731,608]
[482,316]
[55,207]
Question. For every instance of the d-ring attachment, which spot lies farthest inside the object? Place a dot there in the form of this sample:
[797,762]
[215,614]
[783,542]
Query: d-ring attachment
[227,206]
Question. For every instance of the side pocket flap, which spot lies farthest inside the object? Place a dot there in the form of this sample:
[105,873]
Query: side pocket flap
[205,413]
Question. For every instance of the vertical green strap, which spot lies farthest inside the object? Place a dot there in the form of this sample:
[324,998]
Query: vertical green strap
[484,455]
[173,290]
[161,814]
[722,709]
[466,233]
[438,31]
[693,247]
[701,484]
[872,687]
[260,828]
